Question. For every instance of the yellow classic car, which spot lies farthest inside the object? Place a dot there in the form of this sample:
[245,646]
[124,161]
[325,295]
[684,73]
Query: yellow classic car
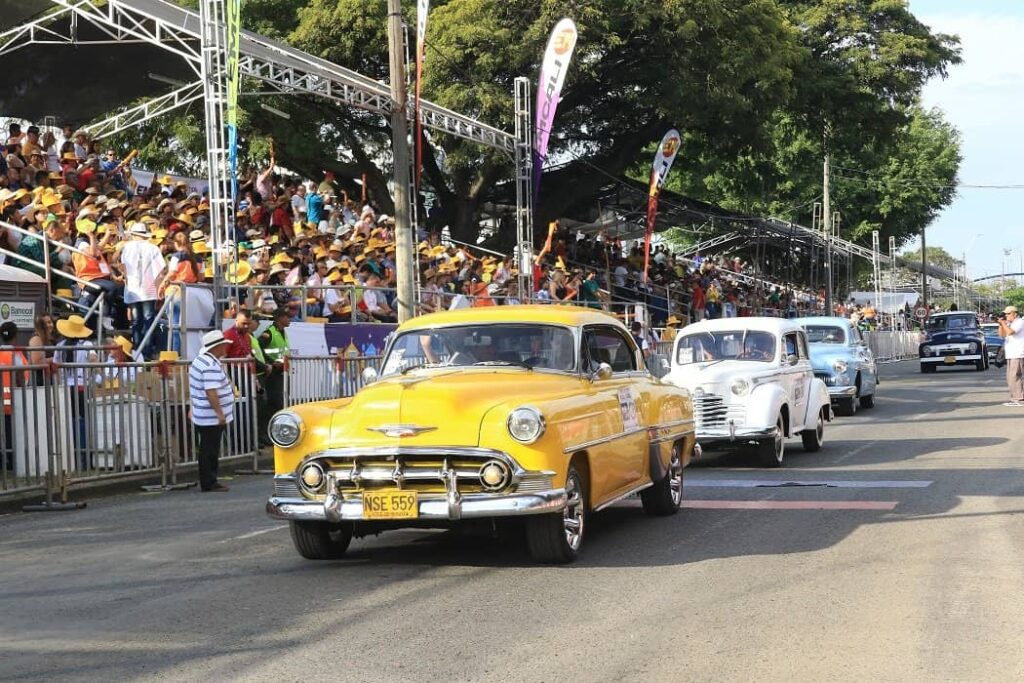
[543,412]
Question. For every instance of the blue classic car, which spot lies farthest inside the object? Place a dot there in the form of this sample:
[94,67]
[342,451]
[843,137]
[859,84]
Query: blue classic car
[841,358]
[951,339]
[993,342]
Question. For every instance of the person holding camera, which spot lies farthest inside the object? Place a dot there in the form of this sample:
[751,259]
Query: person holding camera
[1011,329]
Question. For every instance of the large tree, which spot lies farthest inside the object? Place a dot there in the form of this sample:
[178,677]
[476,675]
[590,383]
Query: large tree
[755,85]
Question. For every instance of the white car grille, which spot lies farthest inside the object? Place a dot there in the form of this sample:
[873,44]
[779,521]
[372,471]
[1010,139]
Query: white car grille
[710,410]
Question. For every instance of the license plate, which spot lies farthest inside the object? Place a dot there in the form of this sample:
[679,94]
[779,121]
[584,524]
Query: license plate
[950,360]
[390,504]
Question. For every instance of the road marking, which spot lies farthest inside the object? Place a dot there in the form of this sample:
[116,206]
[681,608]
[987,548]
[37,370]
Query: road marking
[254,533]
[790,504]
[826,483]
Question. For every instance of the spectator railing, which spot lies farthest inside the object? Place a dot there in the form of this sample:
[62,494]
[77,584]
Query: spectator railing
[320,378]
[68,426]
[893,345]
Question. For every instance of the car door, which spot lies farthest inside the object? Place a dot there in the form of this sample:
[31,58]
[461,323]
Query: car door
[866,362]
[619,455]
[795,344]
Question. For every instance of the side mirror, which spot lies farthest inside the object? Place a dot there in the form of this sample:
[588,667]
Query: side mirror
[791,359]
[604,371]
[369,375]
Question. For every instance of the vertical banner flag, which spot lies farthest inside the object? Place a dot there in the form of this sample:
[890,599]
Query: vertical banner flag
[663,159]
[234,36]
[552,77]
[422,8]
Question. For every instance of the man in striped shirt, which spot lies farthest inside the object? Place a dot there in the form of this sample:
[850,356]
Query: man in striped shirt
[213,405]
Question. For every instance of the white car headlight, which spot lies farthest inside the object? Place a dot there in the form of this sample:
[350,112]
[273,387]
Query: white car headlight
[285,429]
[526,424]
[840,366]
[740,386]
[926,350]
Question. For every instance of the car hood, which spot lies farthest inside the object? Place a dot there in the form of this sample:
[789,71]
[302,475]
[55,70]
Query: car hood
[953,337]
[993,340]
[443,407]
[822,356]
[717,378]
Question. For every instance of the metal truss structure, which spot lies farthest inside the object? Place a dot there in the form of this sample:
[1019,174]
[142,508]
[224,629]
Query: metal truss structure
[200,40]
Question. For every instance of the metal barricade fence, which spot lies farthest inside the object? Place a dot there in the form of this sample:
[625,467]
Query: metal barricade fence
[893,345]
[321,378]
[67,425]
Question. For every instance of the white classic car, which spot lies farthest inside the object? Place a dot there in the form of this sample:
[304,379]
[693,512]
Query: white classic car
[751,381]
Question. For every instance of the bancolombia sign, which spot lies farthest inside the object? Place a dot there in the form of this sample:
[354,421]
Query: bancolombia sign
[21,313]
[552,77]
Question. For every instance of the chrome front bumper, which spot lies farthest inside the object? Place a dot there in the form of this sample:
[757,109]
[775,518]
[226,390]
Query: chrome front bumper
[941,360]
[842,392]
[733,433]
[432,506]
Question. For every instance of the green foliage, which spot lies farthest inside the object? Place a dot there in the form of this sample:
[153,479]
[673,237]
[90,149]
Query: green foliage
[937,256]
[756,87]
[1014,297]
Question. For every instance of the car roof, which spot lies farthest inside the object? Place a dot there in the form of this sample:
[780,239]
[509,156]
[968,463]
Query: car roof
[773,325]
[572,316]
[826,320]
[943,314]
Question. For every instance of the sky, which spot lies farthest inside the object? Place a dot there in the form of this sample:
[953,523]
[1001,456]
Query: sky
[984,98]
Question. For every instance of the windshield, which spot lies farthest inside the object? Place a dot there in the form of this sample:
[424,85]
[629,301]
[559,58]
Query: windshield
[533,346]
[825,334]
[732,345]
[990,328]
[952,322]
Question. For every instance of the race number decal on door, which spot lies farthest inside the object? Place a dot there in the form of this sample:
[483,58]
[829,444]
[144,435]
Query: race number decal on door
[627,406]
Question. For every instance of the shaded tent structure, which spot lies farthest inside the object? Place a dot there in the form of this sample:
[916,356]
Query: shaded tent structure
[147,43]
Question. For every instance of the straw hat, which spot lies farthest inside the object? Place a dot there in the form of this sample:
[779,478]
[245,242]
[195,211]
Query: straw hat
[238,272]
[213,339]
[186,219]
[196,236]
[125,344]
[85,226]
[673,320]
[278,268]
[73,327]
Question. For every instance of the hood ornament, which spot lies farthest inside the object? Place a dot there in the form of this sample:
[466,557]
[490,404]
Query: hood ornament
[397,431]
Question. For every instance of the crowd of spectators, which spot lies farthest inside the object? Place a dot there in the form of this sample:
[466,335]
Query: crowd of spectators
[307,248]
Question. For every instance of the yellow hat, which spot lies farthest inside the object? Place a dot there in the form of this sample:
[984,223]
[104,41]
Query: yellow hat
[166,180]
[124,343]
[281,258]
[208,273]
[64,293]
[168,356]
[74,327]
[200,248]
[333,276]
[348,279]
[84,225]
[238,272]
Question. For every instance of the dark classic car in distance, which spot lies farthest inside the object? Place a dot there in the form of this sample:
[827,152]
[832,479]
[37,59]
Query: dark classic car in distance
[951,339]
[992,339]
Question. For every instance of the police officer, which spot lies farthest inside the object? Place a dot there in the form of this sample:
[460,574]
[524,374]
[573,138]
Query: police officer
[274,342]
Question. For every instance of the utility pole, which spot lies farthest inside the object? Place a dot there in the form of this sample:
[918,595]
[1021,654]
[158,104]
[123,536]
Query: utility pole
[826,212]
[924,272]
[405,252]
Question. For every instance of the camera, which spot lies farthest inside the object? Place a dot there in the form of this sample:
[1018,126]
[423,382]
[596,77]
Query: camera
[1001,316]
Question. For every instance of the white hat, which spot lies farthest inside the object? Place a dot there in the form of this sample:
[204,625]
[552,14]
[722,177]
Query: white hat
[139,230]
[259,244]
[214,339]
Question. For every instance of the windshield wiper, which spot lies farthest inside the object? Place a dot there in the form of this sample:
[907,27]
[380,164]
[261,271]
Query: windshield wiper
[517,363]
[406,370]
[714,362]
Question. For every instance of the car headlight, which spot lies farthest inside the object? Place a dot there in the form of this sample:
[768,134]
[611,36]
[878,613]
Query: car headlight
[840,366]
[740,386]
[526,424]
[312,477]
[285,429]
[926,350]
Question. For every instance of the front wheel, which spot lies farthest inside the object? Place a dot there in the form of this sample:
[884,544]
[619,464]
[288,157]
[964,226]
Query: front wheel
[771,451]
[925,369]
[556,538]
[847,407]
[867,401]
[813,438]
[321,540]
[665,497]
[980,366]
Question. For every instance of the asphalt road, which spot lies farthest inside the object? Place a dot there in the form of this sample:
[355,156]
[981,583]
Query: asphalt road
[903,560]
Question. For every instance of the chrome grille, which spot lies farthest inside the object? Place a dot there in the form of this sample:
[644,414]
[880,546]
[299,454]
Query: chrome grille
[534,483]
[411,471]
[825,377]
[711,410]
[286,488]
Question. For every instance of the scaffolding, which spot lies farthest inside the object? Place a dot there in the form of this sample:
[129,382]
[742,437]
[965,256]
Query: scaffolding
[200,40]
